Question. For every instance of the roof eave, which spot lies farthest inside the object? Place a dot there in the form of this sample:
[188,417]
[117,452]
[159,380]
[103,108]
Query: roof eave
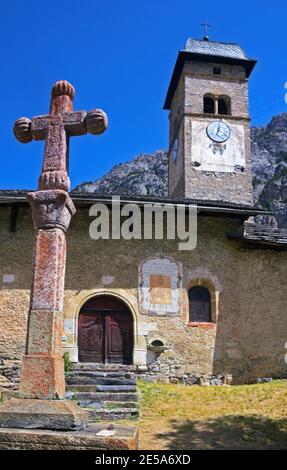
[203,207]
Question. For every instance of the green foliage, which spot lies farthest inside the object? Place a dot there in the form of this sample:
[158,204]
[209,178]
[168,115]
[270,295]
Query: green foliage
[68,365]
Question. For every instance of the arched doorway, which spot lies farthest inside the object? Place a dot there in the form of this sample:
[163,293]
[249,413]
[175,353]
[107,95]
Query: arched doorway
[105,331]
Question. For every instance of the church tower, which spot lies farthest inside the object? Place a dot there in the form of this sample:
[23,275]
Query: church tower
[209,137]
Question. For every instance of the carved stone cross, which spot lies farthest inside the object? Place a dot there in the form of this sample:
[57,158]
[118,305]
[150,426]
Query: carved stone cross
[56,128]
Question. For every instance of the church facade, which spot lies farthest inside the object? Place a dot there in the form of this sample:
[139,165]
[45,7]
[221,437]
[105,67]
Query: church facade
[214,314]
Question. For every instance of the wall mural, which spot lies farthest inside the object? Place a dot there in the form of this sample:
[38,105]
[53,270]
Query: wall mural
[160,281]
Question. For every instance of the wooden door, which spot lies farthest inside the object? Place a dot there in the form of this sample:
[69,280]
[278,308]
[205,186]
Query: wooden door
[91,337]
[119,338]
[105,332]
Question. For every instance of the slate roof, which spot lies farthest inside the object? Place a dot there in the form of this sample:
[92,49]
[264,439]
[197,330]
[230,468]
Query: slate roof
[256,233]
[207,51]
[220,49]
[10,197]
[262,235]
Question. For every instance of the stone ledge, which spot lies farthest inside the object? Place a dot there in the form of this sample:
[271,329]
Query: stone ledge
[42,414]
[94,437]
[201,324]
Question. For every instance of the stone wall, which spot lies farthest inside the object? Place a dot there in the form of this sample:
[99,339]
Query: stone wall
[199,80]
[15,280]
[246,341]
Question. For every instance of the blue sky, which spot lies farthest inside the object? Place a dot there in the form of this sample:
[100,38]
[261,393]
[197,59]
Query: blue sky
[119,55]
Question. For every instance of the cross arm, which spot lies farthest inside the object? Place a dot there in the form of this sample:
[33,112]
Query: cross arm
[39,127]
[81,122]
[74,123]
[25,129]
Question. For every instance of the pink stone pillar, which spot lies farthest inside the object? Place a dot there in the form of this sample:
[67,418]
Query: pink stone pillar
[42,374]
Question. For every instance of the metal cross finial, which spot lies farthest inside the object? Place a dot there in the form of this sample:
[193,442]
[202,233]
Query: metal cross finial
[206,26]
[56,128]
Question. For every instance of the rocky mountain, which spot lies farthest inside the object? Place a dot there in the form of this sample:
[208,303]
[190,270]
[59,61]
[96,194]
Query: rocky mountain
[269,166]
[146,174]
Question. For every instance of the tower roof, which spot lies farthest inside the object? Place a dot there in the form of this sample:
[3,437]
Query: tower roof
[220,49]
[207,51]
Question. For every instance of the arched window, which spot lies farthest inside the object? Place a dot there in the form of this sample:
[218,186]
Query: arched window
[208,105]
[224,105]
[199,304]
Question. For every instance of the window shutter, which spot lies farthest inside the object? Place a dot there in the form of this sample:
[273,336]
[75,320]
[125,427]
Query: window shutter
[199,304]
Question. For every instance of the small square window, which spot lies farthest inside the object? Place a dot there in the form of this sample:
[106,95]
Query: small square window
[217,70]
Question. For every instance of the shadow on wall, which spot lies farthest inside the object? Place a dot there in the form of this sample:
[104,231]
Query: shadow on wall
[251,336]
[227,432]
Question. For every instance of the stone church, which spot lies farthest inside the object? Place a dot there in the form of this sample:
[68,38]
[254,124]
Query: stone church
[214,314]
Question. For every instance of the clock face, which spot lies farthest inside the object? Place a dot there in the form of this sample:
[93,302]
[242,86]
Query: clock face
[175,149]
[218,131]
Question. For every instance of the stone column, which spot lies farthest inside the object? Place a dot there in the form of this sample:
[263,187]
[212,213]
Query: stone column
[42,374]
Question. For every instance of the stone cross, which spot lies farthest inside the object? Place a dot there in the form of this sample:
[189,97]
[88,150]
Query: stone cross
[56,128]
[42,372]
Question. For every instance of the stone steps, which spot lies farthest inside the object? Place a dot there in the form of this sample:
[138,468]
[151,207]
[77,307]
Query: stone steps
[105,396]
[122,413]
[101,388]
[80,366]
[82,380]
[99,374]
[108,405]
[104,391]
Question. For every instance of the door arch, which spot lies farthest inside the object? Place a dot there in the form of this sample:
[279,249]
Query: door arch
[105,331]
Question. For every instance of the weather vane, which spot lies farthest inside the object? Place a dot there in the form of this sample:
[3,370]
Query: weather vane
[206,26]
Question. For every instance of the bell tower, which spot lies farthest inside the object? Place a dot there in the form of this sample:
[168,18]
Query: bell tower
[209,135]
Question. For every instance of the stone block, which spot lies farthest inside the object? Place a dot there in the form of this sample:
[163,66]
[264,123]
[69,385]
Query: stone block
[45,332]
[42,414]
[94,437]
[42,377]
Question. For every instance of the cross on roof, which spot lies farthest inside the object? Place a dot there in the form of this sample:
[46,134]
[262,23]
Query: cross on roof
[206,26]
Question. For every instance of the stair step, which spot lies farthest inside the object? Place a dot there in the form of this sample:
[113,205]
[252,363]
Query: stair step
[111,405]
[81,388]
[100,374]
[116,388]
[104,367]
[104,396]
[101,388]
[121,413]
[108,405]
[94,380]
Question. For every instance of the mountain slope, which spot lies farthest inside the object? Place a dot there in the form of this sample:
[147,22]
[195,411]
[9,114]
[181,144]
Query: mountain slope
[145,175]
[269,166]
